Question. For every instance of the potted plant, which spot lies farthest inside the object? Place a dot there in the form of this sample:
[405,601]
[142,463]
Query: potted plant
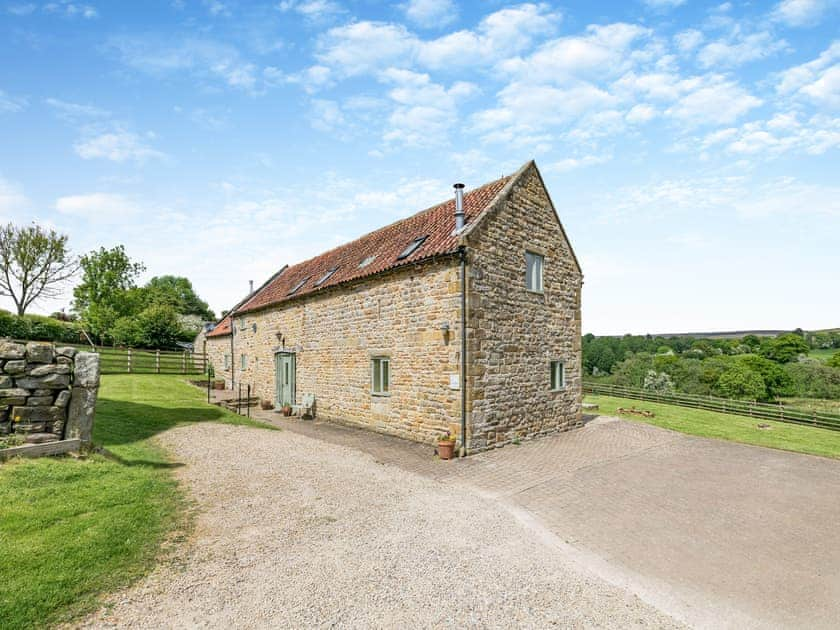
[218,384]
[287,410]
[446,446]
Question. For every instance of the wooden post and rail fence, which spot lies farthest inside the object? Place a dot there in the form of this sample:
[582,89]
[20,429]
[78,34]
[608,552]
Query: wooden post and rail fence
[753,409]
[134,361]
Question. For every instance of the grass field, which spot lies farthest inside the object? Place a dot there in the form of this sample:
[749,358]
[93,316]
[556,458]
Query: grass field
[823,354]
[116,361]
[820,405]
[73,529]
[789,437]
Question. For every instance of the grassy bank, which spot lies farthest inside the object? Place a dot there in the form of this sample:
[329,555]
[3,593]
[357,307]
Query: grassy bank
[789,437]
[73,529]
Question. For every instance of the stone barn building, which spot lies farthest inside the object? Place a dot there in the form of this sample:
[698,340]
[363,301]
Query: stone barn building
[464,317]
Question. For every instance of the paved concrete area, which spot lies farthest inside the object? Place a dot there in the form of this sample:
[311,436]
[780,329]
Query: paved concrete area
[714,533]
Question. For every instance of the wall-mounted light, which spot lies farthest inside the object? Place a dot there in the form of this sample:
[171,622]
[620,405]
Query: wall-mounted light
[444,329]
[254,327]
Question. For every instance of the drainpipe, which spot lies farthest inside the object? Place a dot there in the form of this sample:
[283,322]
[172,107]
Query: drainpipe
[462,251]
[232,362]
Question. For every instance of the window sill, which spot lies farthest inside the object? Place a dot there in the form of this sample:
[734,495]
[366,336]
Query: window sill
[380,394]
[535,292]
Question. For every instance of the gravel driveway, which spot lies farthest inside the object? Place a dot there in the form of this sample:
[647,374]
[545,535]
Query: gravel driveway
[294,532]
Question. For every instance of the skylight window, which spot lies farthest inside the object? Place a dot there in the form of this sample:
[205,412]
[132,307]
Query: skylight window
[367,261]
[412,247]
[326,276]
[298,286]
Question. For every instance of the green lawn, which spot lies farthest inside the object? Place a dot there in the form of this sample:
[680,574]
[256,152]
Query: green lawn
[823,354]
[789,437]
[71,529]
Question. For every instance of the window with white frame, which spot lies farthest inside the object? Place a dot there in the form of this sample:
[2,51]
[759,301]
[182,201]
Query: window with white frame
[534,272]
[243,361]
[227,361]
[380,376]
[558,376]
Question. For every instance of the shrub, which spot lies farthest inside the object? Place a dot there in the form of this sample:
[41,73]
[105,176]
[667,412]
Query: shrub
[658,382]
[38,328]
[834,360]
[784,348]
[813,379]
[741,382]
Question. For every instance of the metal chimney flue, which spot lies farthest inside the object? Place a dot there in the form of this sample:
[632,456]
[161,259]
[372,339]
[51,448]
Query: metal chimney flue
[250,287]
[459,207]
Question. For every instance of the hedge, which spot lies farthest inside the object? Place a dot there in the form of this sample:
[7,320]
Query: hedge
[38,328]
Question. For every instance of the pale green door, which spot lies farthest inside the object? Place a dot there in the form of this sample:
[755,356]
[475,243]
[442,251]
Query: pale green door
[285,378]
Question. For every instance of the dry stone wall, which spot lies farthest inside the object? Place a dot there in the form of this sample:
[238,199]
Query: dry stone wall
[47,393]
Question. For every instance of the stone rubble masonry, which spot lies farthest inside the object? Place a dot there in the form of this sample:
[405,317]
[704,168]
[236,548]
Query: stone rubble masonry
[47,393]
[412,316]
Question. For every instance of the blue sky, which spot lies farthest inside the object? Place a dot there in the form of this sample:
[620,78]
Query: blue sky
[691,148]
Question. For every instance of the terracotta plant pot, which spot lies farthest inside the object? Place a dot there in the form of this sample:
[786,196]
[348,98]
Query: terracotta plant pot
[219,385]
[446,450]
[287,411]
[266,405]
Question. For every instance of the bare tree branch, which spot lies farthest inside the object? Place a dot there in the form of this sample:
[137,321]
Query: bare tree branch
[34,264]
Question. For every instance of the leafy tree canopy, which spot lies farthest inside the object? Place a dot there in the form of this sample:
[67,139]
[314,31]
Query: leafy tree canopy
[178,293]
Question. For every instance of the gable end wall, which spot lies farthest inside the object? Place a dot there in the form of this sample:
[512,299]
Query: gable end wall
[514,334]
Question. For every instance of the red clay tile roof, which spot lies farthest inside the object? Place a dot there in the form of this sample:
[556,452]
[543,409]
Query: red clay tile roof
[386,244]
[222,328]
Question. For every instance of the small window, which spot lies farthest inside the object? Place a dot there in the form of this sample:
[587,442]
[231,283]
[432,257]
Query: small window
[243,361]
[227,361]
[412,247]
[534,272]
[326,276]
[241,323]
[380,376]
[367,261]
[558,376]
[298,286]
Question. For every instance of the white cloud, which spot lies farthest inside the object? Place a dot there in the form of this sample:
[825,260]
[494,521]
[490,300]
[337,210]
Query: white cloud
[601,51]
[640,113]
[326,115]
[12,201]
[817,80]
[570,164]
[713,100]
[664,4]
[203,58]
[314,10]
[738,49]
[783,133]
[71,9]
[431,13]
[74,112]
[800,12]
[688,40]
[788,196]
[11,104]
[362,47]
[370,47]
[117,146]
[98,206]
[425,111]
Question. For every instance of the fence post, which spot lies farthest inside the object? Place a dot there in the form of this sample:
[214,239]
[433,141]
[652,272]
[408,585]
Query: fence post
[157,361]
[184,363]
[781,411]
[239,401]
[128,358]
[248,401]
[208,388]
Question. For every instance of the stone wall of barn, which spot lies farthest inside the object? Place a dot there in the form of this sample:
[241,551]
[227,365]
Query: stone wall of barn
[47,393]
[514,334]
[335,334]
[216,349]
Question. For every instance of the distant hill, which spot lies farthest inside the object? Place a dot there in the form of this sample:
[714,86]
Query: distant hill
[733,334]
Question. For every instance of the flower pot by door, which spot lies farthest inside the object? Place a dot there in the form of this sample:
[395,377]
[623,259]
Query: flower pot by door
[446,450]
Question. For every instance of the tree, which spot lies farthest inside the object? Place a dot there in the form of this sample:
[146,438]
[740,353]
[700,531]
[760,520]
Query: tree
[834,360]
[34,264]
[741,382]
[159,326]
[784,348]
[108,289]
[178,293]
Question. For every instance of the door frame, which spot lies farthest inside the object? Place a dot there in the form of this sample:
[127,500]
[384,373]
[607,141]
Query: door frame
[281,359]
